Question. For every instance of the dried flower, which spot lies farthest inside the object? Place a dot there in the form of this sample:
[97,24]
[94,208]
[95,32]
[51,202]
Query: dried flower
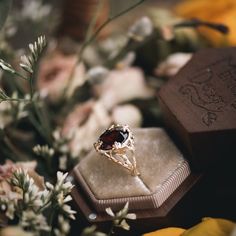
[141,29]
[28,62]
[35,10]
[172,64]
[97,74]
[31,195]
[34,222]
[60,194]
[119,218]
[127,114]
[43,151]
[63,227]
[122,86]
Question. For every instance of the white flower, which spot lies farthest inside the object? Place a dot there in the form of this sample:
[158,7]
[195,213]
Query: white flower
[172,64]
[49,186]
[35,10]
[67,199]
[119,217]
[63,162]
[34,221]
[97,74]
[67,209]
[64,227]
[110,212]
[60,178]
[43,151]
[127,114]
[122,86]
[141,29]
[11,209]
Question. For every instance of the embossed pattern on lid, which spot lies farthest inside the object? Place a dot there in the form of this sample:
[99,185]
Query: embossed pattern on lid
[199,105]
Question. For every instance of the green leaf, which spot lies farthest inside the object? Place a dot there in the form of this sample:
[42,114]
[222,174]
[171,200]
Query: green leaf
[117,7]
[5,6]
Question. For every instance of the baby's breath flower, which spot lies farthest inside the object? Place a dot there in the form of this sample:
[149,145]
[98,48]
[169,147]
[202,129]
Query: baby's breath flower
[43,151]
[68,211]
[63,227]
[31,195]
[119,218]
[63,162]
[8,206]
[34,221]
[141,29]
[60,193]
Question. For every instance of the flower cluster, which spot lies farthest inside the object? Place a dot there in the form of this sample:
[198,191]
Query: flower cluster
[35,198]
[59,194]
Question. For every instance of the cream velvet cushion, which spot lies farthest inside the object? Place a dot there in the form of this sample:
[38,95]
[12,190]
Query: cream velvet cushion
[161,165]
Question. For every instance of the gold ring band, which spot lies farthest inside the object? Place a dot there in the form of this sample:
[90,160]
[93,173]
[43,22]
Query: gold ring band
[115,143]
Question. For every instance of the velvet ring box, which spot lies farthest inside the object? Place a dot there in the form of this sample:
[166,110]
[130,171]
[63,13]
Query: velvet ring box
[163,170]
[199,106]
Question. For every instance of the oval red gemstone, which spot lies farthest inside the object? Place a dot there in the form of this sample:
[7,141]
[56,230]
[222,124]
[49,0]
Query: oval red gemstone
[109,137]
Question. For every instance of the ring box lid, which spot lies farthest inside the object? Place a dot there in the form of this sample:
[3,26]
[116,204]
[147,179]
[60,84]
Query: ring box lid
[199,106]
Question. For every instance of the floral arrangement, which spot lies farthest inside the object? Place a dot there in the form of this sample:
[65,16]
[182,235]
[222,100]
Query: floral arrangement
[56,99]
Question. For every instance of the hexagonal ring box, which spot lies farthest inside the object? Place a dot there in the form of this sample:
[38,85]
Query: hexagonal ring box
[199,107]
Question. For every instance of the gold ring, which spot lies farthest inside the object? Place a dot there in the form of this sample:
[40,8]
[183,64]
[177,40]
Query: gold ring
[115,143]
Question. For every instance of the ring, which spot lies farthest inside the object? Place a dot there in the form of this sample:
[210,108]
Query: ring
[115,143]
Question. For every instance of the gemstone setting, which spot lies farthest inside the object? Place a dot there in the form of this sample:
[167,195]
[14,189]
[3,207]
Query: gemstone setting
[112,136]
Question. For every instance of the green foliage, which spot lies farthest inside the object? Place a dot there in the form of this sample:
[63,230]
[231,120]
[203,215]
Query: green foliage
[5,6]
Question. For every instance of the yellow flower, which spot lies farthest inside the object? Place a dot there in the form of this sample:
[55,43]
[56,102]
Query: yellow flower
[167,232]
[211,227]
[221,11]
[208,227]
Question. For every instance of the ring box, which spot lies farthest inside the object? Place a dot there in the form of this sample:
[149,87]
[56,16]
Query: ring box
[199,107]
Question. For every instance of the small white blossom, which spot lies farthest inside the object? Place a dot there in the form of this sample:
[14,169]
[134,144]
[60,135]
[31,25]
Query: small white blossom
[110,212]
[172,64]
[67,209]
[97,74]
[63,227]
[119,218]
[61,191]
[34,221]
[43,151]
[141,29]
[63,162]
[35,10]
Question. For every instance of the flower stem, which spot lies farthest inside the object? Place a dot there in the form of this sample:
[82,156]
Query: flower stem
[31,89]
[89,40]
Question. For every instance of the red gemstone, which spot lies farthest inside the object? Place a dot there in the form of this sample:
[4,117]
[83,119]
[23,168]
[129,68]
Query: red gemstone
[109,137]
